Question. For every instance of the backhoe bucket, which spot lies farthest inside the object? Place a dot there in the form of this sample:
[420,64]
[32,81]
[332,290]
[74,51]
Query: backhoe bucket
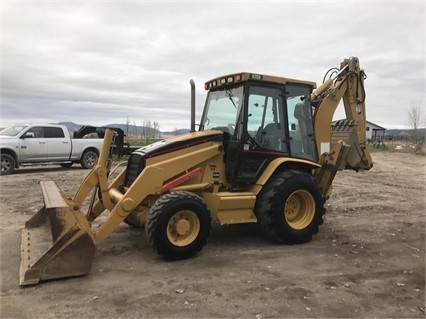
[57,241]
[355,157]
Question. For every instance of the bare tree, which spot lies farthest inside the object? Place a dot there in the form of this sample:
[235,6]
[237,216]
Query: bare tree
[157,129]
[143,132]
[417,122]
[148,128]
[127,126]
[135,133]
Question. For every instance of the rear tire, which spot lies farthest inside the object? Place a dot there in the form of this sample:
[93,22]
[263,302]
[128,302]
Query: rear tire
[89,158]
[290,207]
[7,164]
[178,225]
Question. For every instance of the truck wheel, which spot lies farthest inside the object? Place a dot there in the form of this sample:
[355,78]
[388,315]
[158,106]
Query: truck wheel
[178,225]
[290,207]
[88,160]
[7,164]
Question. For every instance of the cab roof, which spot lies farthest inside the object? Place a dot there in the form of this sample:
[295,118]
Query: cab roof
[230,79]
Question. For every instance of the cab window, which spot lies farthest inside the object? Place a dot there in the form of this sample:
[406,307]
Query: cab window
[54,132]
[222,109]
[300,125]
[266,118]
[38,131]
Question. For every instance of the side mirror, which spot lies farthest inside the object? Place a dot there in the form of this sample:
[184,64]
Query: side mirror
[293,127]
[28,135]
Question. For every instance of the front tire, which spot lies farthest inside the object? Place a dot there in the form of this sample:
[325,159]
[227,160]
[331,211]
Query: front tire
[178,225]
[7,164]
[89,158]
[290,207]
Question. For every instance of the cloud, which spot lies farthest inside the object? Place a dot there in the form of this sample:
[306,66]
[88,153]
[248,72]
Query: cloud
[103,62]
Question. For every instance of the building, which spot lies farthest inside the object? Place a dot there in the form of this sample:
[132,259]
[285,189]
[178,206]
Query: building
[374,131]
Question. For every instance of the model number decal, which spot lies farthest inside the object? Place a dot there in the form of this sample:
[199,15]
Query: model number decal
[255,76]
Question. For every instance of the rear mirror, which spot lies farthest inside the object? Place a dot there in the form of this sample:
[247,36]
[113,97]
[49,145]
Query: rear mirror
[28,135]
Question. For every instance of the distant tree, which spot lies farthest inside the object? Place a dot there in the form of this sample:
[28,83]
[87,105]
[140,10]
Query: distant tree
[148,129]
[143,131]
[416,121]
[127,126]
[146,125]
[135,132]
[157,129]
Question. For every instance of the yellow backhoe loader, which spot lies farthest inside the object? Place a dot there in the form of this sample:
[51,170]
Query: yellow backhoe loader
[266,151]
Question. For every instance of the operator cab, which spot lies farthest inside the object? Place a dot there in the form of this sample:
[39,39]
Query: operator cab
[262,117]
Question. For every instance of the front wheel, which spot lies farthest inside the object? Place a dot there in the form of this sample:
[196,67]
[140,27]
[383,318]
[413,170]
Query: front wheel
[89,158]
[7,164]
[178,225]
[290,207]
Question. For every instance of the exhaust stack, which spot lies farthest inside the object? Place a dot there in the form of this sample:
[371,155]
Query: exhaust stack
[192,105]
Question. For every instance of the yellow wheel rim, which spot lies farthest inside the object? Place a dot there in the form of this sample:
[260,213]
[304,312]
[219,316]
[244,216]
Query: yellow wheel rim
[299,209]
[183,228]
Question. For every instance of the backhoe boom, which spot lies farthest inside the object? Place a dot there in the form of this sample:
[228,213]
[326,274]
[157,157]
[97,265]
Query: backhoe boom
[341,145]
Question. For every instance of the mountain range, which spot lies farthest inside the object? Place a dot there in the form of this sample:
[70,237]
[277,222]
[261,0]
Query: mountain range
[130,130]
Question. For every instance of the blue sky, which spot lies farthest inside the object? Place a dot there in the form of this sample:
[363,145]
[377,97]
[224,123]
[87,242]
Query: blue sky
[103,62]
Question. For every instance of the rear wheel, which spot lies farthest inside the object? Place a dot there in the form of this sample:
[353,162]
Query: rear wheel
[290,207]
[178,225]
[7,164]
[88,160]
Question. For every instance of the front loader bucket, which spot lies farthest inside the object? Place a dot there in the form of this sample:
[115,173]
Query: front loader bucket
[57,241]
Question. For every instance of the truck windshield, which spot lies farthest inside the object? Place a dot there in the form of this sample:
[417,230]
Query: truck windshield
[12,130]
[222,109]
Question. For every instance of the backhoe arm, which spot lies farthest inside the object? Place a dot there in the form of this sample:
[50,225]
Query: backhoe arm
[341,145]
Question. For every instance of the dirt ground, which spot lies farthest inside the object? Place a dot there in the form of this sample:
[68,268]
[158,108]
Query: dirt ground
[368,259]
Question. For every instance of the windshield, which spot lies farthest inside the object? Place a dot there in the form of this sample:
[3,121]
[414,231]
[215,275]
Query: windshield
[12,130]
[222,109]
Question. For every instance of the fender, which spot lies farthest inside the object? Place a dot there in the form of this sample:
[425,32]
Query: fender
[282,162]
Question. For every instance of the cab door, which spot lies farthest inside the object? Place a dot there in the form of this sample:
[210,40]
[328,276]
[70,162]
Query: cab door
[58,146]
[300,123]
[33,145]
[262,137]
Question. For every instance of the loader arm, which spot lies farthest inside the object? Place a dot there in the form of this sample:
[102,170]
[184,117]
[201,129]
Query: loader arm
[149,182]
[342,145]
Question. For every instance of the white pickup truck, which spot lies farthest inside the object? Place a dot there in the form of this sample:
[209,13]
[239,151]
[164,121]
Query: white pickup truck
[48,144]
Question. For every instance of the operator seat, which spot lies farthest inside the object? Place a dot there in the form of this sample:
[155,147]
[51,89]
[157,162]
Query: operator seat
[270,137]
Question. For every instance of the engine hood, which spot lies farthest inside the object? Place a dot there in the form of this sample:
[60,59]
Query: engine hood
[178,142]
